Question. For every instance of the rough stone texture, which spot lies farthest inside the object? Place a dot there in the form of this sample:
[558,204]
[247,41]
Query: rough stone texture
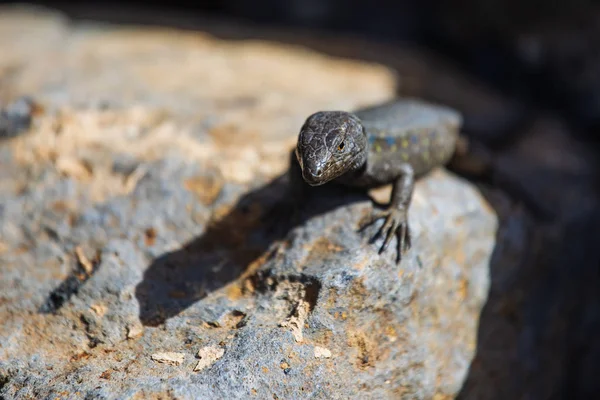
[134,220]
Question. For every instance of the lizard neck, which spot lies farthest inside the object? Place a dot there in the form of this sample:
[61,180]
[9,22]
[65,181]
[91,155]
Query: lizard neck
[360,161]
[361,142]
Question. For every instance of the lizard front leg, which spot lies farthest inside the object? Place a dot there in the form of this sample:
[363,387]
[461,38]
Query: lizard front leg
[396,215]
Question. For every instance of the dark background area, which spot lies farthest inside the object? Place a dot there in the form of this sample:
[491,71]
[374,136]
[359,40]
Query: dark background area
[543,59]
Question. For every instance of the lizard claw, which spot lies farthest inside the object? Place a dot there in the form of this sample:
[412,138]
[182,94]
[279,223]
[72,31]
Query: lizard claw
[396,223]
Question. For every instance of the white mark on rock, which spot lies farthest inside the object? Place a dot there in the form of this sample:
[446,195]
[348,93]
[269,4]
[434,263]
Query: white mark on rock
[169,358]
[208,355]
[296,321]
[85,262]
[322,352]
[134,330]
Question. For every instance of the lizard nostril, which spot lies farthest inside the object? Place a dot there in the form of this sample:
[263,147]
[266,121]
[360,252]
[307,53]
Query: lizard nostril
[318,172]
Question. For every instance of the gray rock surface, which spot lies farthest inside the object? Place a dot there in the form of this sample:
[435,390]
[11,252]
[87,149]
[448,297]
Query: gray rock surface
[137,256]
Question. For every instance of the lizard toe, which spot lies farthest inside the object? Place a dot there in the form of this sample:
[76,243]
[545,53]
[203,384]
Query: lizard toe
[395,224]
[390,227]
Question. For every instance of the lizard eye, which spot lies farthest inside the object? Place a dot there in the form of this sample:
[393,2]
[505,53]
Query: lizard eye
[341,146]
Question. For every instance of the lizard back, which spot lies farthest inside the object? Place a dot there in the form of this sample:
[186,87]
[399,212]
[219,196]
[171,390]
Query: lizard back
[413,131]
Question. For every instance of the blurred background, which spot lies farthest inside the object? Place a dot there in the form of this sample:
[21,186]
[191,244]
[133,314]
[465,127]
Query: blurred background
[544,52]
[526,75]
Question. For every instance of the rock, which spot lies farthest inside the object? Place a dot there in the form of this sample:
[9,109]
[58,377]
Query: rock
[162,243]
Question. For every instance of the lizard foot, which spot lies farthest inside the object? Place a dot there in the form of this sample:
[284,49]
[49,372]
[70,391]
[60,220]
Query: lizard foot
[396,223]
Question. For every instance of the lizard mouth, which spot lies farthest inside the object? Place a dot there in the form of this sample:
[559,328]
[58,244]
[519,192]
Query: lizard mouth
[329,173]
[317,177]
[313,180]
[317,183]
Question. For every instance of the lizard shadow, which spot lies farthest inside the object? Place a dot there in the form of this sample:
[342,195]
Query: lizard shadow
[259,219]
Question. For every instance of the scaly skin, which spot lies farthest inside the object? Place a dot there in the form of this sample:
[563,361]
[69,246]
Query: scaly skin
[395,143]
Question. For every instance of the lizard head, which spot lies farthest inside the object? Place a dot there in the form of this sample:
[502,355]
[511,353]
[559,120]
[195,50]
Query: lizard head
[330,144]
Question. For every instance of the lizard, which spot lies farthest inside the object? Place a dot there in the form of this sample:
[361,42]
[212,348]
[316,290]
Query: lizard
[394,143]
